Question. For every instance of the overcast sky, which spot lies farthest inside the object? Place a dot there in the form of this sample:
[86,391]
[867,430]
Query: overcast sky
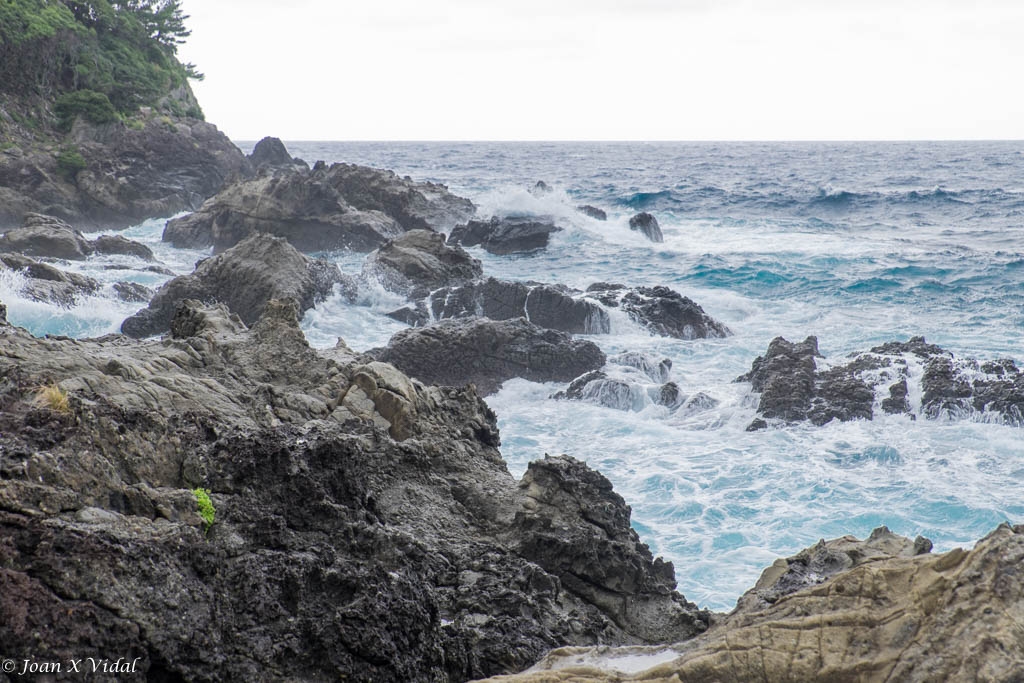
[610,69]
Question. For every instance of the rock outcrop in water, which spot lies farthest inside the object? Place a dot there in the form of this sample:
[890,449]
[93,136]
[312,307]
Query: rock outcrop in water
[488,352]
[119,175]
[794,389]
[45,283]
[661,310]
[245,278]
[592,212]
[419,262]
[647,225]
[873,611]
[43,236]
[271,152]
[505,235]
[365,524]
[341,206]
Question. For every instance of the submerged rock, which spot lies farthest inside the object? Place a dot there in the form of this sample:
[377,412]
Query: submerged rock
[661,310]
[327,208]
[509,235]
[488,352]
[647,225]
[365,525]
[48,284]
[794,389]
[882,609]
[244,278]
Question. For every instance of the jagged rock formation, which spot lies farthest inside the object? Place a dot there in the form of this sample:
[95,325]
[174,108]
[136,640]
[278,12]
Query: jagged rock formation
[48,284]
[418,262]
[872,611]
[661,310]
[593,212]
[794,389]
[505,235]
[271,152]
[43,236]
[326,208]
[488,352]
[647,225]
[365,525]
[121,175]
[245,278]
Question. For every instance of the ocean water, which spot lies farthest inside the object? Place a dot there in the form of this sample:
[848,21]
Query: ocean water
[857,243]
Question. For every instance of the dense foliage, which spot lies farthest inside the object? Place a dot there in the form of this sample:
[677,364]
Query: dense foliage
[123,51]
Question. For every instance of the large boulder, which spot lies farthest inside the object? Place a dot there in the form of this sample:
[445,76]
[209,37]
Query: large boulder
[271,152]
[245,278]
[322,209]
[120,175]
[552,306]
[418,262]
[592,212]
[508,235]
[488,352]
[647,225]
[661,310]
[365,526]
[794,389]
[883,609]
[45,236]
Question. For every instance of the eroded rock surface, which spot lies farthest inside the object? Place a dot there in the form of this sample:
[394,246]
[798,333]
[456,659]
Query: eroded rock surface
[793,388]
[661,310]
[366,526]
[488,352]
[419,262]
[48,284]
[245,278]
[879,610]
[42,236]
[646,225]
[505,235]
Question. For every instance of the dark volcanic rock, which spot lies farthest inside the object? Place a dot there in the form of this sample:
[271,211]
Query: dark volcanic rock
[647,225]
[245,278]
[487,352]
[418,262]
[540,188]
[271,152]
[637,590]
[510,235]
[366,527]
[551,306]
[661,310]
[326,208]
[166,166]
[593,212]
[793,388]
[574,392]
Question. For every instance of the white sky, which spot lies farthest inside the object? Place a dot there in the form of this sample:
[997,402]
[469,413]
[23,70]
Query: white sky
[610,69]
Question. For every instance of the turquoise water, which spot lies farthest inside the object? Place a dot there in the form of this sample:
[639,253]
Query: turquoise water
[855,243]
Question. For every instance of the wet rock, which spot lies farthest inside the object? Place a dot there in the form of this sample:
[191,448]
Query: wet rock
[271,152]
[488,352]
[574,392]
[871,610]
[593,212]
[118,245]
[326,208]
[48,284]
[655,369]
[46,236]
[366,525]
[244,278]
[670,396]
[897,401]
[661,310]
[614,393]
[540,188]
[132,292]
[554,307]
[509,235]
[418,262]
[647,225]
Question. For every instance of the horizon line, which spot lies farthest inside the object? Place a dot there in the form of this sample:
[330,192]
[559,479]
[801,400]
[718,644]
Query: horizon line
[636,141]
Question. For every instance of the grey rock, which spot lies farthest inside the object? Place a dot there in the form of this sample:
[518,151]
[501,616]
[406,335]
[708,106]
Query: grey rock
[508,235]
[655,369]
[488,352]
[133,292]
[116,244]
[48,237]
[48,284]
[245,278]
[661,310]
[271,151]
[418,262]
[592,212]
[574,392]
[647,225]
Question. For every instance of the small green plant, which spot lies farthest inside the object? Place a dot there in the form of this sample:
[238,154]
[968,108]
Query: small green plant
[51,396]
[69,162]
[206,510]
[94,107]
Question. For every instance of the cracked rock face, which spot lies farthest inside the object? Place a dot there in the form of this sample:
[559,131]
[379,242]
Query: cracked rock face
[366,526]
[419,262]
[913,377]
[883,609]
[661,310]
[505,235]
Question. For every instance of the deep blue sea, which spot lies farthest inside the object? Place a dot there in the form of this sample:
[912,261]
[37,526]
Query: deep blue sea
[857,243]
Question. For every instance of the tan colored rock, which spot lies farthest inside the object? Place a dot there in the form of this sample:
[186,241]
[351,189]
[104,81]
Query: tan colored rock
[891,616]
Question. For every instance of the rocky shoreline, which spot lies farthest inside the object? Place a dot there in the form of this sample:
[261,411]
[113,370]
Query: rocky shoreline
[366,525]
